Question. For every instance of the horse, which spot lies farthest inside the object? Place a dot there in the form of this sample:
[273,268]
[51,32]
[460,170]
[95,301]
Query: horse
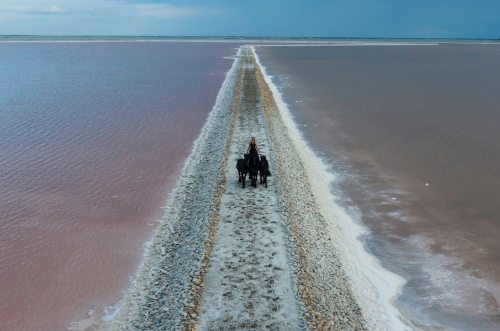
[243,166]
[264,170]
[253,170]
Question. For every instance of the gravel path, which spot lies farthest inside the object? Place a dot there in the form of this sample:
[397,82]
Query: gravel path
[249,285]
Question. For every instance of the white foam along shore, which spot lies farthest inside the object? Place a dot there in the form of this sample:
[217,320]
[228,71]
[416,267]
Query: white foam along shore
[374,287]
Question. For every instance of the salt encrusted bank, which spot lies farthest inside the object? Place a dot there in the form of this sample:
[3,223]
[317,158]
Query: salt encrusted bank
[250,282]
[370,286]
[168,287]
[228,258]
[322,284]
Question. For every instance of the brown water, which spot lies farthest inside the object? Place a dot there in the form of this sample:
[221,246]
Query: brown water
[92,139]
[413,133]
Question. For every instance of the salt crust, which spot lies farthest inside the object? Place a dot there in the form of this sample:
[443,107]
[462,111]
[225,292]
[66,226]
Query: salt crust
[374,287]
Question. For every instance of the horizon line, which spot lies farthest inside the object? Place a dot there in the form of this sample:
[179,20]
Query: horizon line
[242,37]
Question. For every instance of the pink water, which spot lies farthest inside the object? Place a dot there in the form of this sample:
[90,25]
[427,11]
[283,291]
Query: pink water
[92,139]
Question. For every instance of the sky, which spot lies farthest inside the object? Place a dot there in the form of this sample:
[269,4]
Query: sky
[281,18]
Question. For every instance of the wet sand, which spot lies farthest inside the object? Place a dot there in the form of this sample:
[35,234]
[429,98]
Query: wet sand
[410,134]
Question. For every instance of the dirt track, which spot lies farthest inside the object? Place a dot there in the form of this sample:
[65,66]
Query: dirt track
[249,285]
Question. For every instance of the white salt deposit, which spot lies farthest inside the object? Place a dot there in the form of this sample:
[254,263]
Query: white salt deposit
[375,287]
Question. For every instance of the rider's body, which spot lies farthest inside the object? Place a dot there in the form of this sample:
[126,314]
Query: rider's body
[253,148]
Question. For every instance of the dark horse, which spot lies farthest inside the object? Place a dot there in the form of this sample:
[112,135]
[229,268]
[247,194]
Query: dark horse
[253,170]
[264,170]
[243,165]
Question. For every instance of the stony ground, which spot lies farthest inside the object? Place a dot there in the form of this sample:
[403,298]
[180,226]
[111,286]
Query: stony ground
[249,285]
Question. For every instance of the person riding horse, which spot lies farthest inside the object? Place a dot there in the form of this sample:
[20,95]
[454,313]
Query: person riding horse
[253,149]
[253,165]
[253,169]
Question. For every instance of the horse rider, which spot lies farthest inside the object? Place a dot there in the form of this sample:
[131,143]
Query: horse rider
[253,149]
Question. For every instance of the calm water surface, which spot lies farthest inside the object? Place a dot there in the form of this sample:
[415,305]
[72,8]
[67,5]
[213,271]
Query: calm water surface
[92,139]
[413,133]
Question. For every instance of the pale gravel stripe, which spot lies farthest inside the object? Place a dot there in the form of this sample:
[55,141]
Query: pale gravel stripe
[250,282]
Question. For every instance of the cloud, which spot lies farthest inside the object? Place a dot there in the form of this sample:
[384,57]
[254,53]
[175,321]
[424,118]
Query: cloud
[53,9]
[105,9]
[169,11]
[12,11]
[113,17]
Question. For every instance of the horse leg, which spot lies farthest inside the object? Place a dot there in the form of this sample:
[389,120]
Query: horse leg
[244,177]
[265,180]
[239,177]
